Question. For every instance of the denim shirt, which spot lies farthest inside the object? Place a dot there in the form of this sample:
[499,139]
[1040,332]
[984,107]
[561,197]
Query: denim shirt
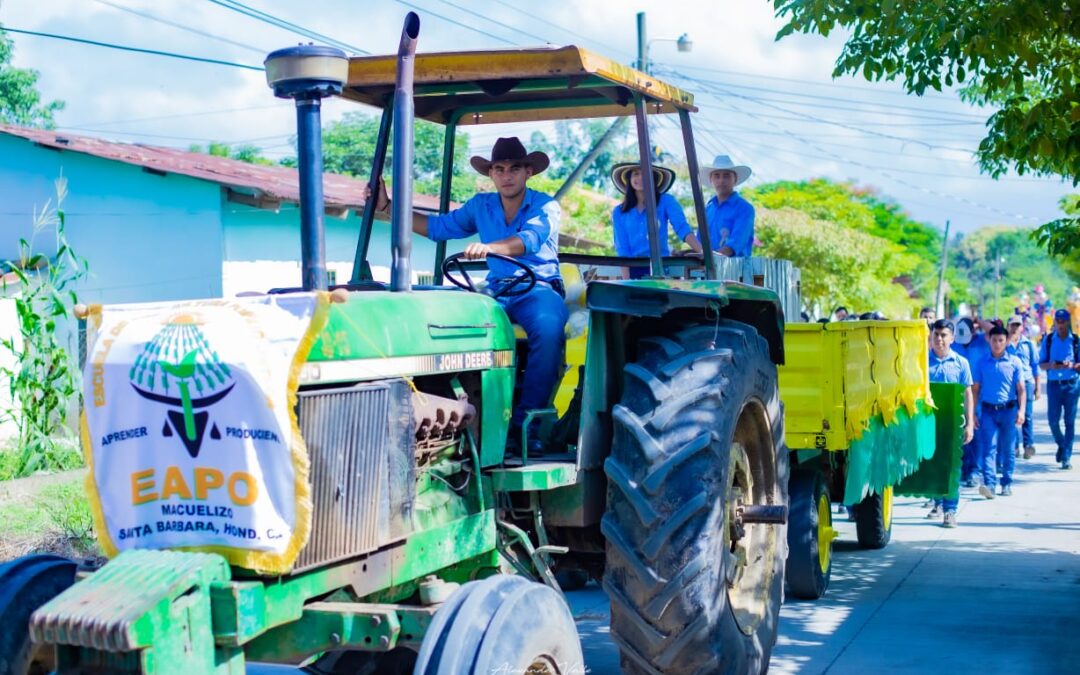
[536,224]
[998,378]
[1024,350]
[731,223]
[632,229]
[953,369]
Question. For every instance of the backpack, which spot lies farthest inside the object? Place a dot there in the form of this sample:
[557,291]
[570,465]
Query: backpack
[1075,345]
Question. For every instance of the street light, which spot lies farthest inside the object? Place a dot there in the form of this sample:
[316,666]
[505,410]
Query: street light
[683,43]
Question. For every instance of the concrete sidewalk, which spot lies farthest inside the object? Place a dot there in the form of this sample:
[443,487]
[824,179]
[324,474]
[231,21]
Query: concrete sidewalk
[999,594]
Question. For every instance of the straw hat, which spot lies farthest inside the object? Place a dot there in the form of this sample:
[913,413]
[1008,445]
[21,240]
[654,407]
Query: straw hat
[620,175]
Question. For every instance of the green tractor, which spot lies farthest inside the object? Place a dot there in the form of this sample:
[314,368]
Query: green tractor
[431,550]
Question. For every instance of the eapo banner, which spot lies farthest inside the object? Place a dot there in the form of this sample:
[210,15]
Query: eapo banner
[190,430]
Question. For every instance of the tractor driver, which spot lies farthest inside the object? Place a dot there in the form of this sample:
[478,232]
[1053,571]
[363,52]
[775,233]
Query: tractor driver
[524,224]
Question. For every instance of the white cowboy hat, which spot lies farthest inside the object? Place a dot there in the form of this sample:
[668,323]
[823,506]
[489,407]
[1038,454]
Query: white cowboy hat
[724,163]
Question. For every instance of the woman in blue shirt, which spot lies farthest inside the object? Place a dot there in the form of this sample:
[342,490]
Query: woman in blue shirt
[631,221]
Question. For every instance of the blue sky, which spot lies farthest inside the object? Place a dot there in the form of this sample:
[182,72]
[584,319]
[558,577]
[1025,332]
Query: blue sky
[771,105]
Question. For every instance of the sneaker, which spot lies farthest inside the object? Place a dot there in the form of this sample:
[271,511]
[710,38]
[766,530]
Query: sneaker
[934,512]
[1065,466]
[1029,451]
[950,519]
[986,492]
[1006,490]
[928,504]
[969,483]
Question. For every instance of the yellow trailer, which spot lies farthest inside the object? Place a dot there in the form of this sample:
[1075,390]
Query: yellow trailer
[858,418]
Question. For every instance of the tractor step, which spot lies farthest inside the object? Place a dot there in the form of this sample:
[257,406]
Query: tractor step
[116,608]
[533,477]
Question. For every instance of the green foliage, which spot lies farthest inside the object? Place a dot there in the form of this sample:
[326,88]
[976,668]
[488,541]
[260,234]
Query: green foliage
[1021,56]
[985,253]
[349,149]
[57,519]
[20,102]
[244,153]
[44,380]
[574,140]
[587,216]
[839,265]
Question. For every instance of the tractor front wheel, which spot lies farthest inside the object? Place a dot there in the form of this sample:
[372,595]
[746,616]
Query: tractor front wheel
[873,519]
[503,624]
[25,585]
[694,587]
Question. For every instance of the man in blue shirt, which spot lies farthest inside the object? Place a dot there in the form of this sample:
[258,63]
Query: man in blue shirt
[999,392]
[1024,349]
[1060,358]
[730,217]
[948,367]
[521,223]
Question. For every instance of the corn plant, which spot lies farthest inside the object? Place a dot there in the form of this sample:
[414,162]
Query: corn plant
[44,379]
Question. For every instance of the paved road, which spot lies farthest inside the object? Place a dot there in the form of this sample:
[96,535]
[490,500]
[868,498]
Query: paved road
[999,594]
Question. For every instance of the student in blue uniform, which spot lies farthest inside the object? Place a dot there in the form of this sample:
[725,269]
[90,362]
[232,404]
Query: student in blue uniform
[948,367]
[973,347]
[730,217]
[1060,358]
[1024,349]
[521,223]
[1000,394]
[630,219]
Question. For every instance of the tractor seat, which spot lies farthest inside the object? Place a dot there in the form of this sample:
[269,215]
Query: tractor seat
[575,298]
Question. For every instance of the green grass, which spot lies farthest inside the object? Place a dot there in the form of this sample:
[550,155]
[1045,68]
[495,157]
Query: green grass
[56,520]
[63,454]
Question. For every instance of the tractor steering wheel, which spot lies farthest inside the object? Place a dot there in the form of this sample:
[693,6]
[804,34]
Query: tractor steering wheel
[513,286]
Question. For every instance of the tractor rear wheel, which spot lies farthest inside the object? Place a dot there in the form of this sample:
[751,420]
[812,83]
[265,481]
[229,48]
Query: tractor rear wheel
[698,435]
[506,624]
[873,519]
[25,585]
[810,536]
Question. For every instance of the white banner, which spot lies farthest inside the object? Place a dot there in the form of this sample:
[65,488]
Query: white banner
[189,426]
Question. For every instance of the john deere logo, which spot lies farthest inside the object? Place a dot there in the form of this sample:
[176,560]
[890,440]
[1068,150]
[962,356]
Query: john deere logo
[179,369]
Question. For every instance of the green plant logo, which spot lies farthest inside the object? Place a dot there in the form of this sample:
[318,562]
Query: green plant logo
[179,369]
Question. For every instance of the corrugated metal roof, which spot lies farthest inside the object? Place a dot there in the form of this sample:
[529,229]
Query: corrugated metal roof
[273,182]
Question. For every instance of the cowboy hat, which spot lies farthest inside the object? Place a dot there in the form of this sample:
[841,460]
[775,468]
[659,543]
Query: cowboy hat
[510,150]
[620,175]
[724,163]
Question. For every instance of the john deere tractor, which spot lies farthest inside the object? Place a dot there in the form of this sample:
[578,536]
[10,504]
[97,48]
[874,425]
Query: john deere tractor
[428,548]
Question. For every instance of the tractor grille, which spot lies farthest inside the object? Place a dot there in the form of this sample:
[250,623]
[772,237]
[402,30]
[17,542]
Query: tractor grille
[348,437]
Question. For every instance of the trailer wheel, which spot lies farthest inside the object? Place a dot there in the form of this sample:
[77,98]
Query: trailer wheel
[26,584]
[504,623]
[699,431]
[810,536]
[873,519]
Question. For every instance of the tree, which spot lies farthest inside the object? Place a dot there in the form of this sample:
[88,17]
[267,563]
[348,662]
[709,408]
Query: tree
[573,140]
[244,153]
[1022,56]
[20,102]
[349,149]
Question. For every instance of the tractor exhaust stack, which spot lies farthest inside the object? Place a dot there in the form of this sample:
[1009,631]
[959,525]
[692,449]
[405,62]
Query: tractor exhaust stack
[401,219]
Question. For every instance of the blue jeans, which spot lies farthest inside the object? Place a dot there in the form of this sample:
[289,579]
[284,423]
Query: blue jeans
[542,313]
[1061,396]
[970,459]
[1027,429]
[997,440]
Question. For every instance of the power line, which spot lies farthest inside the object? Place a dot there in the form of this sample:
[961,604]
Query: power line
[152,52]
[449,20]
[497,23]
[189,29]
[278,22]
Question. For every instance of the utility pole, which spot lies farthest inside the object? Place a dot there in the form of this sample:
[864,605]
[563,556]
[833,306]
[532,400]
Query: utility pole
[941,274]
[997,280]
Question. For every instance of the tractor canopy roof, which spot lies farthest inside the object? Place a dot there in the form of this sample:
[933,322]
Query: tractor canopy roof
[515,85]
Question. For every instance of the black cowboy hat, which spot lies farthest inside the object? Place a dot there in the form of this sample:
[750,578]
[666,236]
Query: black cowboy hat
[510,150]
[620,175]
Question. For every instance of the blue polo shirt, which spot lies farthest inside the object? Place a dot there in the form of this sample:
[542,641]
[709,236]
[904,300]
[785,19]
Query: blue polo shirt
[731,223]
[632,229]
[998,378]
[953,369]
[536,224]
[1060,350]
[974,351]
[1024,350]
